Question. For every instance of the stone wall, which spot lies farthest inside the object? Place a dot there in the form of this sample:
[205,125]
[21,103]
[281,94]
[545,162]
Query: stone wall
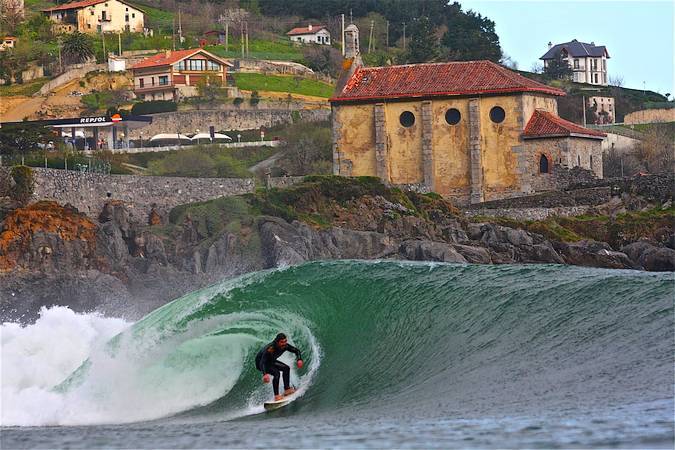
[68,76]
[189,121]
[89,191]
[650,116]
[552,199]
[529,213]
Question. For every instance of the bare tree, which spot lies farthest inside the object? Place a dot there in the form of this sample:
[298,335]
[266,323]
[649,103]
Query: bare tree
[656,151]
[616,80]
[537,68]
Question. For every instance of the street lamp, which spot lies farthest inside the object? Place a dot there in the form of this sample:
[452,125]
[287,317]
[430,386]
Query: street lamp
[140,133]
[239,136]
[197,136]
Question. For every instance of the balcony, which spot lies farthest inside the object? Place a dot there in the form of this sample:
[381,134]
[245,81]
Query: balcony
[154,88]
[105,18]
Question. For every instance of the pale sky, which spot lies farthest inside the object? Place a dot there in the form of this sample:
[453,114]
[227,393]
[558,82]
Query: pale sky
[638,34]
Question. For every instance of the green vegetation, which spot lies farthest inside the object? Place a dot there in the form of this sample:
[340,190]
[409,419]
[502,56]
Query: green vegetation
[616,231]
[155,106]
[282,83]
[208,161]
[158,19]
[29,88]
[281,50]
[25,184]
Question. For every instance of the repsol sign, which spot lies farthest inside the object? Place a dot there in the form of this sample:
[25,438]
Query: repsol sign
[98,119]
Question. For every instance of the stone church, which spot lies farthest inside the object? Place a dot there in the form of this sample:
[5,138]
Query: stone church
[471,131]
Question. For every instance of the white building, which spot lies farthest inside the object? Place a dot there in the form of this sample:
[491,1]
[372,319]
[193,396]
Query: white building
[94,16]
[312,34]
[588,61]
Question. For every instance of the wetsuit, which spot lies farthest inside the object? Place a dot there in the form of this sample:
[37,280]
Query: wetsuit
[266,362]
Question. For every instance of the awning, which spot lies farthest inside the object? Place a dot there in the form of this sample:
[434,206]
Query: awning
[208,136]
[169,137]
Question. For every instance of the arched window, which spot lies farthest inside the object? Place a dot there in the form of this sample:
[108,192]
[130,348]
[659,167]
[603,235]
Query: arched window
[452,116]
[407,119]
[497,114]
[543,164]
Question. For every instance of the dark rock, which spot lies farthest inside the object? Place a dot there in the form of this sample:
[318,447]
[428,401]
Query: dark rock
[473,254]
[594,254]
[650,256]
[419,250]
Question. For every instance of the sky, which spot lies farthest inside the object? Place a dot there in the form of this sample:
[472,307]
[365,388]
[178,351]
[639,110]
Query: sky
[638,34]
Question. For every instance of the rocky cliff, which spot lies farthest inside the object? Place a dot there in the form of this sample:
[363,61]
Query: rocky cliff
[53,254]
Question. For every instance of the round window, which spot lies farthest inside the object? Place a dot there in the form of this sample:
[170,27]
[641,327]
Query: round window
[497,114]
[452,116]
[407,119]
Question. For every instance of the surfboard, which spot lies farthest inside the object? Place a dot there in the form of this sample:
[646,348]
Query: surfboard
[271,406]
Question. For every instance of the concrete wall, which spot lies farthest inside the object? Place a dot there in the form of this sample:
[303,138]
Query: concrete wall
[189,121]
[68,76]
[170,148]
[621,144]
[650,116]
[89,191]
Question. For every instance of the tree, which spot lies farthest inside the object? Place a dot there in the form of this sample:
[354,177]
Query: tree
[470,36]
[308,150]
[77,48]
[558,68]
[423,45]
[323,59]
[209,88]
[22,139]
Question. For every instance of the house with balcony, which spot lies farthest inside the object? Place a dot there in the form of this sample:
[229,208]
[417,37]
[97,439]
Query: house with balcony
[587,61]
[96,16]
[311,34]
[171,75]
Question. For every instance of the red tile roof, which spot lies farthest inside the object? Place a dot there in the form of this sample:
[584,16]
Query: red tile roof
[305,30]
[172,57]
[437,80]
[545,124]
[84,4]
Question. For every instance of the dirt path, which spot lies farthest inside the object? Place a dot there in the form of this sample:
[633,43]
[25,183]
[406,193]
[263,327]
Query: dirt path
[17,111]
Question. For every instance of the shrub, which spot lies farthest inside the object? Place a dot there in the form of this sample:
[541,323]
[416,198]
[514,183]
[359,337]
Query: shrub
[155,106]
[238,101]
[255,98]
[25,184]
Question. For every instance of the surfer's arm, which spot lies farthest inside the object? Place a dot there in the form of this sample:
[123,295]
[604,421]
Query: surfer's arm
[266,360]
[292,349]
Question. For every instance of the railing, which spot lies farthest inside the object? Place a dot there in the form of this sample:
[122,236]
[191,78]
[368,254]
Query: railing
[105,18]
[148,88]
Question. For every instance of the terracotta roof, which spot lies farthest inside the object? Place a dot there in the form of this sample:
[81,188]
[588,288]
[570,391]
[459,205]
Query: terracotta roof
[172,57]
[306,30]
[84,4]
[545,124]
[437,80]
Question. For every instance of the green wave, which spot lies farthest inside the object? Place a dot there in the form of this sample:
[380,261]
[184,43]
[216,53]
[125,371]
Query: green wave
[403,338]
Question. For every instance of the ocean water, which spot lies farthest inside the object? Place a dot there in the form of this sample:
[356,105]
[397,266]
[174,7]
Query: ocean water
[397,355]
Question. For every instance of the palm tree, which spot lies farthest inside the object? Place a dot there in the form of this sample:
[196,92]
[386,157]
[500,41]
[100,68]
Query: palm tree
[77,48]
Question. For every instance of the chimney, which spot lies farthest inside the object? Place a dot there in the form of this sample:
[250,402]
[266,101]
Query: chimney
[550,44]
[592,43]
[167,53]
[309,27]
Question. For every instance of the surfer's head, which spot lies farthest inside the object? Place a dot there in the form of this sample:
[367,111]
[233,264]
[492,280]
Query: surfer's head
[281,340]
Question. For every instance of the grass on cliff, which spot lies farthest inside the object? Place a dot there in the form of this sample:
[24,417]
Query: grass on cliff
[26,89]
[619,230]
[283,83]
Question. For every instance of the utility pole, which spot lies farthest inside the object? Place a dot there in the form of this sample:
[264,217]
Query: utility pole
[180,28]
[105,55]
[173,34]
[242,39]
[248,55]
[227,35]
[403,35]
[371,46]
[343,35]
[387,34]
[60,58]
[583,107]
[119,43]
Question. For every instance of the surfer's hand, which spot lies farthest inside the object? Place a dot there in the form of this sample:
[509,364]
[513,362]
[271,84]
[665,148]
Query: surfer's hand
[266,378]
[300,364]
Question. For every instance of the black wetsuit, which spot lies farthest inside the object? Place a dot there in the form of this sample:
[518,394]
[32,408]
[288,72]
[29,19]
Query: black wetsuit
[266,362]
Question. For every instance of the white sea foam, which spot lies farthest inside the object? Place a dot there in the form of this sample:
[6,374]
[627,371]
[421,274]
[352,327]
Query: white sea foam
[37,357]
[153,370]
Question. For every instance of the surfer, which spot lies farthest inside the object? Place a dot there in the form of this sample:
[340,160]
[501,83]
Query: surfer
[266,362]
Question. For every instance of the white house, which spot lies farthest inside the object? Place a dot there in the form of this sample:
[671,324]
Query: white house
[311,34]
[94,16]
[588,61]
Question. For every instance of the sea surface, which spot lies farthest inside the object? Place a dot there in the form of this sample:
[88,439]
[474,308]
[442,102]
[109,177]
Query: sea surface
[397,354]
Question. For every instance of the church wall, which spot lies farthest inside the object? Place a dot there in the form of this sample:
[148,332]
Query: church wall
[404,143]
[354,140]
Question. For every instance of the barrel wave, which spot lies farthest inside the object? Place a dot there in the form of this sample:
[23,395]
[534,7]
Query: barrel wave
[392,339]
